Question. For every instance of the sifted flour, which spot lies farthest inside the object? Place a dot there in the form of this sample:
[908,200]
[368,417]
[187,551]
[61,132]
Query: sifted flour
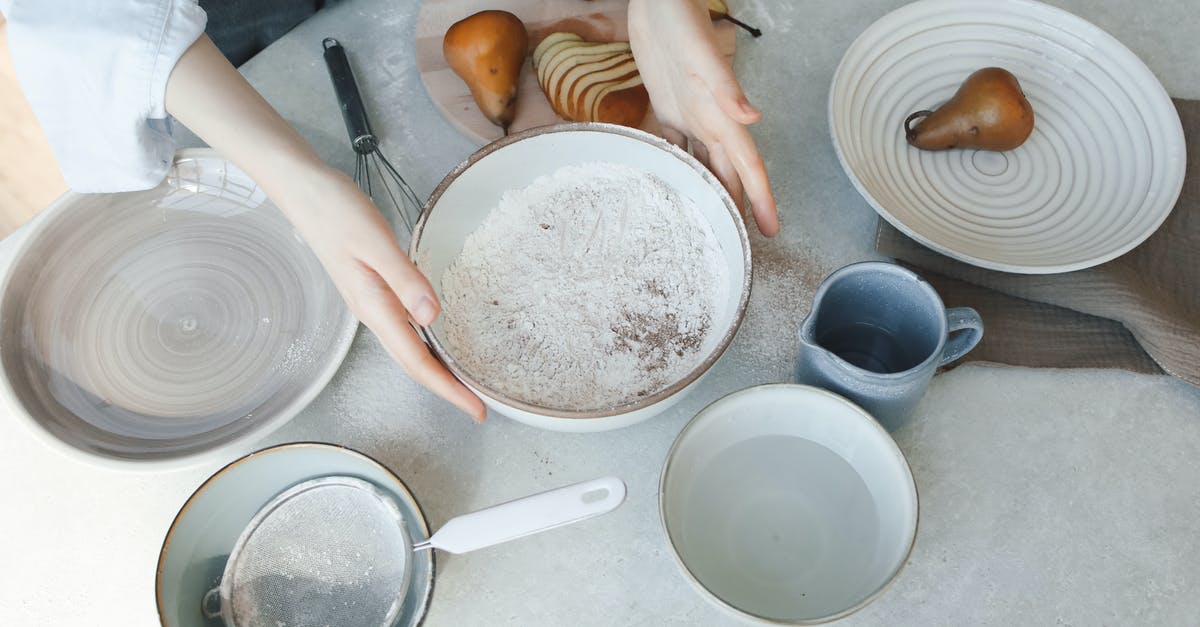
[590,288]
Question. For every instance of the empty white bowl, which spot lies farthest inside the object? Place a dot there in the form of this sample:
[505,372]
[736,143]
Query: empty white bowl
[468,194]
[1101,171]
[162,327]
[788,504]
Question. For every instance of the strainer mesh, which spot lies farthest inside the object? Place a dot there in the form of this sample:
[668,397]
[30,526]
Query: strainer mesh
[329,556]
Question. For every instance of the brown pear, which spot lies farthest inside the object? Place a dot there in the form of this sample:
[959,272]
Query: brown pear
[487,50]
[989,112]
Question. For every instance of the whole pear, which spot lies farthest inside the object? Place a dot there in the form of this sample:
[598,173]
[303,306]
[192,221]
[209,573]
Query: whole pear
[487,50]
[989,112]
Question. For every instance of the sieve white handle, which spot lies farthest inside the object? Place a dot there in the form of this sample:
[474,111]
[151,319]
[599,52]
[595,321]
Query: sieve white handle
[522,517]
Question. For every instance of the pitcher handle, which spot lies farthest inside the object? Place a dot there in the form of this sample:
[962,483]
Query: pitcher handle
[965,328]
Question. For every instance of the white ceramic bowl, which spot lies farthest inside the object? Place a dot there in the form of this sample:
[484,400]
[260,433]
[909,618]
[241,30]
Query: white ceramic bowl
[1101,171]
[469,193]
[164,327]
[200,538]
[787,504]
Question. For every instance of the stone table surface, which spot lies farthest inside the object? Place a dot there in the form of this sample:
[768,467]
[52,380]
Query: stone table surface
[1047,497]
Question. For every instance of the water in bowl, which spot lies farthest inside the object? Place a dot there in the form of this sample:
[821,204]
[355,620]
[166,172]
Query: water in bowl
[783,528]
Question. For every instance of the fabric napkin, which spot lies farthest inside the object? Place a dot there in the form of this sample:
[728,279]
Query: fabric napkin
[1139,312]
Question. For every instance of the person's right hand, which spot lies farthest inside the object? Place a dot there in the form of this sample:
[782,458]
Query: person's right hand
[380,284]
[339,222]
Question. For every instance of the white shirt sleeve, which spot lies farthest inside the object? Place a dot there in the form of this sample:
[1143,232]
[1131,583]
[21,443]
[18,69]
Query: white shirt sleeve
[95,73]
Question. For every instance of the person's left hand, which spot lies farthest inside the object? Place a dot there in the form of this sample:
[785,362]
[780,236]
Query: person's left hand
[698,99]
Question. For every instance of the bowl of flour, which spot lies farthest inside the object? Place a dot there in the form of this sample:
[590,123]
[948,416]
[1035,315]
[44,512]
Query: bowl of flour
[589,274]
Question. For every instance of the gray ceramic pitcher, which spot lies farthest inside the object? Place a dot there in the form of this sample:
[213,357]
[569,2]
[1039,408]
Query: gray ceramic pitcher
[876,334]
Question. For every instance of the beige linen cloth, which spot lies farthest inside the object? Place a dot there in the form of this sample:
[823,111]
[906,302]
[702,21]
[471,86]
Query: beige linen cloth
[1139,312]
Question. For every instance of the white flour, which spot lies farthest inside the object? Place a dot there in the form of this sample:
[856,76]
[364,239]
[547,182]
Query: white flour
[590,288]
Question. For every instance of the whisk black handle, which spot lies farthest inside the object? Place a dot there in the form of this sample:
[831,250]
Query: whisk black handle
[349,100]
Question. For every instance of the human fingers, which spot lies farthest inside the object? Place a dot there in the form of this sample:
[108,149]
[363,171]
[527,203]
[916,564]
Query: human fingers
[384,314]
[407,282]
[739,147]
[728,94]
[675,136]
[716,73]
[723,168]
[700,152]
[376,252]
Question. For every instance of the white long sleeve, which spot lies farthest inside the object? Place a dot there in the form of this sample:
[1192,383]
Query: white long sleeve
[95,73]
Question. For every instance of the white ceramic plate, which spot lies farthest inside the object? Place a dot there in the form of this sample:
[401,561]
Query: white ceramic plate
[163,326]
[1101,171]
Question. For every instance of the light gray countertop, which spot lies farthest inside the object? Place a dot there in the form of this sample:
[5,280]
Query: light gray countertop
[1047,497]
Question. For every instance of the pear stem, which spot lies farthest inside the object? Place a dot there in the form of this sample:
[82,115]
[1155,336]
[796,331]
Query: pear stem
[909,133]
[749,29]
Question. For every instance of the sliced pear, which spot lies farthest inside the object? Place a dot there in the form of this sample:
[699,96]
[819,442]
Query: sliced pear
[570,69]
[565,60]
[590,81]
[588,73]
[554,48]
[550,56]
[571,54]
[582,49]
[626,106]
[578,93]
[550,40]
[590,102]
[586,91]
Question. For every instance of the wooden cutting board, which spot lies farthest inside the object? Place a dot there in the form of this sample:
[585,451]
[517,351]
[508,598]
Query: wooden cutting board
[594,20]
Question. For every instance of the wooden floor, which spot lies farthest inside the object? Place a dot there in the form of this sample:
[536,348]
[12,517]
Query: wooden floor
[29,177]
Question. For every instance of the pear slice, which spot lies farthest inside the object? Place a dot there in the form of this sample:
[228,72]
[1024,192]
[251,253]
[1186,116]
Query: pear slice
[626,107]
[582,94]
[590,81]
[550,40]
[572,53]
[573,92]
[550,56]
[587,73]
[545,62]
[563,59]
[590,103]
[567,72]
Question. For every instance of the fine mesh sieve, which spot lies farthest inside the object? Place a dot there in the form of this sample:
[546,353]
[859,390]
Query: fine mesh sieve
[334,551]
[330,551]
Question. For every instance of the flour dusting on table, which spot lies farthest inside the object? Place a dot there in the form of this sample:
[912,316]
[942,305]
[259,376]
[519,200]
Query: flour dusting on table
[592,287]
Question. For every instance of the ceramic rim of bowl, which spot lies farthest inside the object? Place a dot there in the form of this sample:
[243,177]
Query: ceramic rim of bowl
[403,487]
[444,356]
[10,399]
[712,596]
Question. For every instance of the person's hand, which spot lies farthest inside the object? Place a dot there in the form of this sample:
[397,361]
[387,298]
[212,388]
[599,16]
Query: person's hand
[380,284]
[339,222]
[698,99]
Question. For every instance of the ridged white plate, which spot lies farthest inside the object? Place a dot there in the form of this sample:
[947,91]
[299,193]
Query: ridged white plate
[166,325]
[1101,171]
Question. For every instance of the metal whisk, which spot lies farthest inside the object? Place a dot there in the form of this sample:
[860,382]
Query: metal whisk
[365,144]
